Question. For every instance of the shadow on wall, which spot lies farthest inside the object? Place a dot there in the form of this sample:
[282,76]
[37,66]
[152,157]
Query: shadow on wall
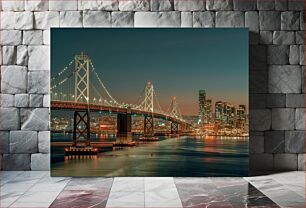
[276,129]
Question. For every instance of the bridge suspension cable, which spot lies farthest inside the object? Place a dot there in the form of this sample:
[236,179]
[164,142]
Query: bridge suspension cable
[173,109]
[64,84]
[62,71]
[103,86]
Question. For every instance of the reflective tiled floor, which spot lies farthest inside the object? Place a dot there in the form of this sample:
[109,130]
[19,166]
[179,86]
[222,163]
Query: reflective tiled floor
[38,189]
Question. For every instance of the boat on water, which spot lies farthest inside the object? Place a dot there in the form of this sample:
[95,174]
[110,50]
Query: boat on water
[148,139]
[75,150]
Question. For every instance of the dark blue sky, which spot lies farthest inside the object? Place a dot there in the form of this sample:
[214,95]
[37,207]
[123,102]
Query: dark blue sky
[179,62]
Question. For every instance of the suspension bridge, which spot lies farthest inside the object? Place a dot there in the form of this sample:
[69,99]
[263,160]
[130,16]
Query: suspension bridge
[78,87]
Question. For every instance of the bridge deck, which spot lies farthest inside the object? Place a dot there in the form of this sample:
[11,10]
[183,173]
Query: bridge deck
[70,105]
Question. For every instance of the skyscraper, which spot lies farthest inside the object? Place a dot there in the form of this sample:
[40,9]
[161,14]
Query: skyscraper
[202,98]
[208,111]
[241,116]
[231,112]
[219,112]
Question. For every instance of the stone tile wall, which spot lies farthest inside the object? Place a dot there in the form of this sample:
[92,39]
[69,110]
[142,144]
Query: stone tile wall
[277,122]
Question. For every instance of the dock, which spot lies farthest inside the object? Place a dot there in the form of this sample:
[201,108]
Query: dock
[93,144]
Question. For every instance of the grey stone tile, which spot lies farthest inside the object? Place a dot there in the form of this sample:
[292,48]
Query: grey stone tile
[4,141]
[22,55]
[276,100]
[294,54]
[197,5]
[40,161]
[297,5]
[295,100]
[260,119]
[283,118]
[290,20]
[281,5]
[35,119]
[7,100]
[252,21]
[300,119]
[71,19]
[163,5]
[14,79]
[294,141]
[299,37]
[301,161]
[285,162]
[302,56]
[256,144]
[269,20]
[186,19]
[203,19]
[261,162]
[285,79]
[22,100]
[124,19]
[274,141]
[98,18]
[38,82]
[229,19]
[98,5]
[266,37]
[44,141]
[244,5]
[257,101]
[36,100]
[258,56]
[134,5]
[283,37]
[157,19]
[9,55]
[11,118]
[23,142]
[265,5]
[16,161]
[219,5]
[258,81]
[278,54]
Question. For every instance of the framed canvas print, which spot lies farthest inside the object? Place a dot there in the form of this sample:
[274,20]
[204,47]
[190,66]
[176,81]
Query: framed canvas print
[149,102]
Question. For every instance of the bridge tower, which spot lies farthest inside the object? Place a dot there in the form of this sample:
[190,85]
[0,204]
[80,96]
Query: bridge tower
[149,107]
[149,95]
[81,124]
[174,112]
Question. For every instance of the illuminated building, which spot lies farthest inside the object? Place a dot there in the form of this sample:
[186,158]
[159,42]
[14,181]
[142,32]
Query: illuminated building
[208,111]
[241,117]
[225,113]
[202,98]
[219,112]
[229,114]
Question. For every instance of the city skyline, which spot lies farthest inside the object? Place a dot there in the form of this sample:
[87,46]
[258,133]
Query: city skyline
[179,62]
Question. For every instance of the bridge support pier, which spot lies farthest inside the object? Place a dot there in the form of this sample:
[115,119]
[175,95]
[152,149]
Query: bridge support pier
[183,127]
[124,125]
[148,126]
[81,128]
[174,128]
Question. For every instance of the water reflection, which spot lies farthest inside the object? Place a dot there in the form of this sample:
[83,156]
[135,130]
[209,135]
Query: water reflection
[184,156]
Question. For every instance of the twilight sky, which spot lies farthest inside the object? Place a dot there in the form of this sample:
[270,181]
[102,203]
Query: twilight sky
[179,62]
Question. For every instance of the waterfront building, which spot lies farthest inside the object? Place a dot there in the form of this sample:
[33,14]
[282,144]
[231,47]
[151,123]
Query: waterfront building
[241,117]
[208,111]
[202,98]
[219,112]
[231,115]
